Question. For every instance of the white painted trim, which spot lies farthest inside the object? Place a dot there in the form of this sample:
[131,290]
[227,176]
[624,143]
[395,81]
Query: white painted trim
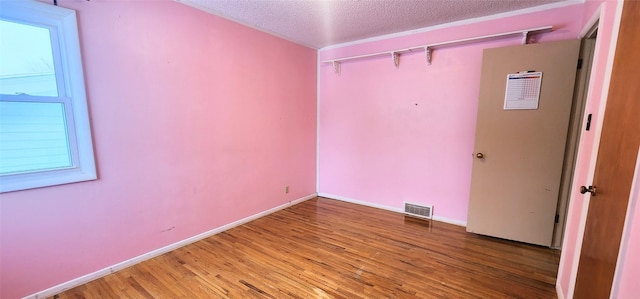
[595,19]
[65,43]
[626,232]
[578,250]
[457,23]
[138,259]
[598,130]
[360,202]
[559,292]
[388,208]
[450,221]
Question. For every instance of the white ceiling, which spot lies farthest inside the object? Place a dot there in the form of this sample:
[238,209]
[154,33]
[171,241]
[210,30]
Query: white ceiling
[321,23]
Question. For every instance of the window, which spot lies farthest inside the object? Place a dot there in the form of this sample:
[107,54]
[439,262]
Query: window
[45,138]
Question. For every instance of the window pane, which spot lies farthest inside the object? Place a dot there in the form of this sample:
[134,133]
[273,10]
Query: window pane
[33,137]
[26,60]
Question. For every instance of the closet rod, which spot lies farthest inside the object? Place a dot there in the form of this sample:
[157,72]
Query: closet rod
[428,48]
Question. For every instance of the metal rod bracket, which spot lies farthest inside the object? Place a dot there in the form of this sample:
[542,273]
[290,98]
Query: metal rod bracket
[525,37]
[336,66]
[427,53]
[396,58]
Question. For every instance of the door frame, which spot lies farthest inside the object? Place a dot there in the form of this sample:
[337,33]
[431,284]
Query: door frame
[616,170]
[597,126]
[576,125]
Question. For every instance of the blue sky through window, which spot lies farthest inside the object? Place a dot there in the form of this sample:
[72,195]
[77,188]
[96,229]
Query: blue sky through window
[26,60]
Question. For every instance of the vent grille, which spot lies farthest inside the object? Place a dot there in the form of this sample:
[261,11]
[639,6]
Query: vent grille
[422,211]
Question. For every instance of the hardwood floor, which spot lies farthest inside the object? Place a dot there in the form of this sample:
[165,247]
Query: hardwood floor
[324,248]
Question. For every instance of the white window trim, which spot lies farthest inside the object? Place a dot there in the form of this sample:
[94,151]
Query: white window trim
[62,20]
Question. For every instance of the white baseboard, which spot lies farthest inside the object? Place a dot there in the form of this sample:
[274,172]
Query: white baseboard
[450,221]
[389,208]
[119,266]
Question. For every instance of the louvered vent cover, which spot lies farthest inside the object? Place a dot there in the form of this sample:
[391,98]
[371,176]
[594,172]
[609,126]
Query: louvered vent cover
[422,211]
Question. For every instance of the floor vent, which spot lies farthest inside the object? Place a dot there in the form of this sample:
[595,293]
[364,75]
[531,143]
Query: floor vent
[422,211]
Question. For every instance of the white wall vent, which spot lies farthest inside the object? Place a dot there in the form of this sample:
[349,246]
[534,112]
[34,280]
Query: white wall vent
[422,211]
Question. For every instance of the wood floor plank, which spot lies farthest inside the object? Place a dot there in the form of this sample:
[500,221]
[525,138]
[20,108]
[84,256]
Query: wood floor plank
[323,248]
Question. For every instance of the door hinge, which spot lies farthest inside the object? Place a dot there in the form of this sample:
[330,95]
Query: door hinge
[557,218]
[580,63]
[588,127]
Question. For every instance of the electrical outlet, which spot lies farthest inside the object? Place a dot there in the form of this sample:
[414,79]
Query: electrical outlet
[286,189]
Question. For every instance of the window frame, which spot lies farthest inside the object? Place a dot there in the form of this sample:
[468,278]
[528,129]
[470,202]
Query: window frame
[65,42]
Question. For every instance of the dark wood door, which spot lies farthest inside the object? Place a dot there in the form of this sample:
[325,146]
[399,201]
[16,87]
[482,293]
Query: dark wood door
[615,164]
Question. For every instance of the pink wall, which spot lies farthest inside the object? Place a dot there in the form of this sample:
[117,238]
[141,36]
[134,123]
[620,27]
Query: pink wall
[390,135]
[191,123]
[197,122]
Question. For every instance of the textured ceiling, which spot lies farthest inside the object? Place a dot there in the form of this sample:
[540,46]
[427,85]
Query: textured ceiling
[320,23]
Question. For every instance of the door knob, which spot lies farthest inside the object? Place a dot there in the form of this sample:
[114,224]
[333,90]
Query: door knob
[590,189]
[480,155]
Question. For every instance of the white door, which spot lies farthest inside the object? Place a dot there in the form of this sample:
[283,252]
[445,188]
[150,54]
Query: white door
[519,153]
